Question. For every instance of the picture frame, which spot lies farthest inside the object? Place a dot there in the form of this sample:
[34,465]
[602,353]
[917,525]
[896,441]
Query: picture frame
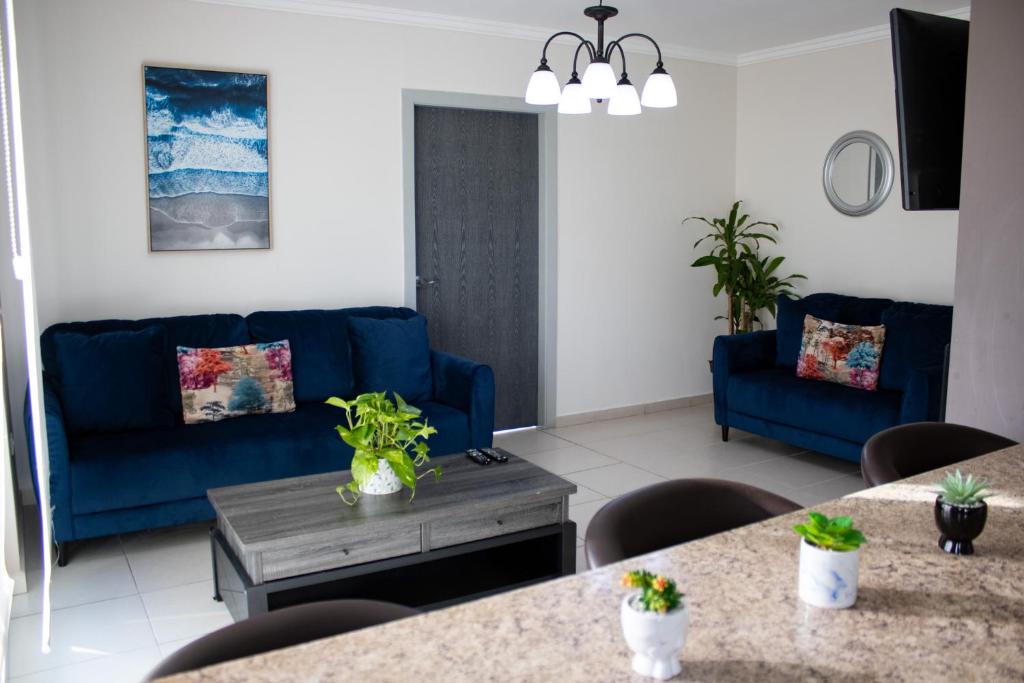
[207,144]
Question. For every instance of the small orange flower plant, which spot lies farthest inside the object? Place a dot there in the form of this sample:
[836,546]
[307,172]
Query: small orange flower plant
[657,593]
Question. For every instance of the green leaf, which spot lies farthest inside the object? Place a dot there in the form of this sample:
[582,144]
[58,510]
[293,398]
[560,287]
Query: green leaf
[402,464]
[774,263]
[337,402]
[832,534]
[705,261]
[820,520]
[364,466]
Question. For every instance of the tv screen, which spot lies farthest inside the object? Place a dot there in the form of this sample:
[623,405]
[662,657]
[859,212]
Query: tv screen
[930,60]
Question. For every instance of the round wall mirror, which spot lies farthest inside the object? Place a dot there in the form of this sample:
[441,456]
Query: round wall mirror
[858,173]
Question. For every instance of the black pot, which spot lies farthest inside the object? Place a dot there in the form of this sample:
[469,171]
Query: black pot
[959,525]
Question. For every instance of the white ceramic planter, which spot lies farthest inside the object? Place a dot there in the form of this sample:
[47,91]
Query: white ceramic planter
[383,481]
[656,639]
[828,578]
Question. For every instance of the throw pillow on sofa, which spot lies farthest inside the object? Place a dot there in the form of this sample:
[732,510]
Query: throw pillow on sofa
[392,355]
[236,380]
[845,354]
[112,381]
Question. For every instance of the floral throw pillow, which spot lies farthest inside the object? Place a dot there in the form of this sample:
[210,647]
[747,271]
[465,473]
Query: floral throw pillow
[236,380]
[845,354]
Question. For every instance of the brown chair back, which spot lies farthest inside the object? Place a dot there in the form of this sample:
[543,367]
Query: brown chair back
[673,512]
[280,628]
[905,450]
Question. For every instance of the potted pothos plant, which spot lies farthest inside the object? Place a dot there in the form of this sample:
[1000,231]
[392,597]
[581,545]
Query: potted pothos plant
[750,282]
[390,443]
[961,511]
[654,622]
[829,560]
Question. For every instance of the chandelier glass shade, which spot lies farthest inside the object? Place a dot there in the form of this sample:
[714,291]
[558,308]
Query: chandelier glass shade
[574,98]
[599,81]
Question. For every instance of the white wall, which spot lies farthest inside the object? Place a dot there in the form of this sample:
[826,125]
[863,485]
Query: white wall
[634,323]
[789,112]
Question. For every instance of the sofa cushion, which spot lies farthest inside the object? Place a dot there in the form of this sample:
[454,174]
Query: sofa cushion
[778,395]
[452,428]
[131,469]
[916,338]
[789,319]
[113,381]
[217,329]
[321,358]
[392,355]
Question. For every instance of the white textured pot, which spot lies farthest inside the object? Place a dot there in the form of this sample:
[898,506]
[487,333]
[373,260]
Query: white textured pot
[828,578]
[383,481]
[656,639]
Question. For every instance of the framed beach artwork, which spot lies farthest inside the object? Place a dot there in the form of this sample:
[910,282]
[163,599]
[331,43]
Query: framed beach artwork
[207,159]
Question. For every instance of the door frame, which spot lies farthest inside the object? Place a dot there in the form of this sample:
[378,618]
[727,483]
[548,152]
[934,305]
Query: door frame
[547,219]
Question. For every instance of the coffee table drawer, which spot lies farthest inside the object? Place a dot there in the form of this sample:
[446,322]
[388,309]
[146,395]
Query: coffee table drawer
[493,523]
[353,549]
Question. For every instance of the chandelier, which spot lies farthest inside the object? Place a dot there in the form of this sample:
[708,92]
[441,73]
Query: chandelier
[599,82]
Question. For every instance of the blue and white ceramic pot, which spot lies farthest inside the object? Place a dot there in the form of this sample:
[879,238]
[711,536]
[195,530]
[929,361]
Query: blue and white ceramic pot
[828,578]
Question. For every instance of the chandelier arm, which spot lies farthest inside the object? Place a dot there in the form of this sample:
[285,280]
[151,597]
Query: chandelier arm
[622,53]
[583,41]
[645,36]
[575,57]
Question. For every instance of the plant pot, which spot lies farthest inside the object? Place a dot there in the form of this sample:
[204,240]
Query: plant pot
[655,638]
[383,481]
[828,578]
[959,525]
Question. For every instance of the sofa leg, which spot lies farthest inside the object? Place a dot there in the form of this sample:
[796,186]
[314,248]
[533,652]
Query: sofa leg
[62,554]
[725,432]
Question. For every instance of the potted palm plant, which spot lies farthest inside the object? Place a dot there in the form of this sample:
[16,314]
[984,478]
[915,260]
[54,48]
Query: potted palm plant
[829,560]
[960,512]
[654,622]
[749,281]
[390,442]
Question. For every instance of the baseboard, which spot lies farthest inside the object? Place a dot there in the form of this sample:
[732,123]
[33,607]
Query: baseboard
[630,411]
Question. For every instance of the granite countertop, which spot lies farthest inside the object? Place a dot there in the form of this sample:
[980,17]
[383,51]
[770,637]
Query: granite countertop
[921,615]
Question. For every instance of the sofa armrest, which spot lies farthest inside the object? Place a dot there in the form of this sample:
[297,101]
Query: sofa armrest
[734,354]
[59,453]
[468,386]
[921,395]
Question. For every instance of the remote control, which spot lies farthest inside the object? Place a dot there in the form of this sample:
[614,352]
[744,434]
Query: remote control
[477,457]
[495,454]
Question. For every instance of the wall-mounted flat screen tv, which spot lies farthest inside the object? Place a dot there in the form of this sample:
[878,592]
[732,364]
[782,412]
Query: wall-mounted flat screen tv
[930,60]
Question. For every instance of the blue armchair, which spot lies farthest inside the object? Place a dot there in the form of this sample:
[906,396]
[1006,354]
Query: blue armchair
[756,388]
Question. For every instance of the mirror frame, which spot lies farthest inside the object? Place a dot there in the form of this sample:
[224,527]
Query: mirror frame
[881,149]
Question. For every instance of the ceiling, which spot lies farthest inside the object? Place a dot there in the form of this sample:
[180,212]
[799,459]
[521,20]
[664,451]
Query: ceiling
[726,26]
[728,31]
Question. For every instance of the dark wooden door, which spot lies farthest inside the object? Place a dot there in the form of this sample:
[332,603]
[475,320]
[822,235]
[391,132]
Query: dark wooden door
[476,175]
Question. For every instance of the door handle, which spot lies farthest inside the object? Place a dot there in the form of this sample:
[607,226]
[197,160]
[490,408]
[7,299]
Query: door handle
[421,283]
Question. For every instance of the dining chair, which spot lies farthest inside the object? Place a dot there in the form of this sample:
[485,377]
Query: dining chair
[905,450]
[673,512]
[281,628]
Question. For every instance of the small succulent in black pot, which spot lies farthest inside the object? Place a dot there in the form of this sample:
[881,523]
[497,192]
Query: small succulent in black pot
[960,512]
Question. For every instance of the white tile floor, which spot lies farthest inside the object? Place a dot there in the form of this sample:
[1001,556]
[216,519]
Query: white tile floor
[124,603]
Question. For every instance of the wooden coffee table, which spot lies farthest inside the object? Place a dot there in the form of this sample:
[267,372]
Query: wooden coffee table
[479,530]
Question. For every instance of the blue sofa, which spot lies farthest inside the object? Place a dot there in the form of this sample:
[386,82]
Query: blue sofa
[756,388]
[107,482]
